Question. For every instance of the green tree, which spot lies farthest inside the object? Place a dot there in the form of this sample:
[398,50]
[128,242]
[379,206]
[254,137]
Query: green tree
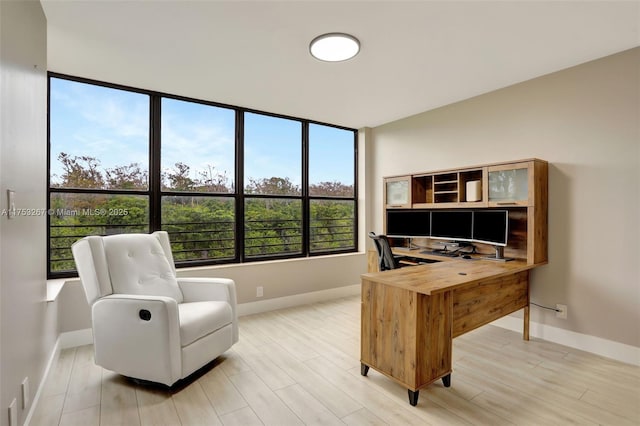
[202,227]
[213,181]
[178,178]
[332,224]
[80,171]
[272,186]
[127,177]
[331,189]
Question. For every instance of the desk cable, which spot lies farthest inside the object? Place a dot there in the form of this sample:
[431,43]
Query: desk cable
[545,307]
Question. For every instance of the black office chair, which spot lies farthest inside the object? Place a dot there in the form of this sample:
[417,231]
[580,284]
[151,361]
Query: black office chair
[386,258]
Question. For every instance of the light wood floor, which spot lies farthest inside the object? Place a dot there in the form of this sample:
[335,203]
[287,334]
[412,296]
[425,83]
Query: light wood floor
[301,366]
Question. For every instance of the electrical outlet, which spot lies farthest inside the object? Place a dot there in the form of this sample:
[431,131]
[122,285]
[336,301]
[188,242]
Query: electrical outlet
[13,413]
[259,291]
[25,393]
[561,311]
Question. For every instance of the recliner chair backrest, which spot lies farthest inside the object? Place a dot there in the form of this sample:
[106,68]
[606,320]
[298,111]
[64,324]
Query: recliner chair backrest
[138,265]
[127,264]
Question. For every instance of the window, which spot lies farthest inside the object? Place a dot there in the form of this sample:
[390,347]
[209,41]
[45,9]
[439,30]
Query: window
[272,178]
[99,157]
[198,147]
[332,203]
[272,155]
[201,228]
[228,184]
[197,164]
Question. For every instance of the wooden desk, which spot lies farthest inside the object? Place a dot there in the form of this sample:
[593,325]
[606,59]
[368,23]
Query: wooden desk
[411,315]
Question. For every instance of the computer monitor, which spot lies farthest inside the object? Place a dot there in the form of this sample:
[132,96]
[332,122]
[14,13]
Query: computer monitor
[408,223]
[491,227]
[452,225]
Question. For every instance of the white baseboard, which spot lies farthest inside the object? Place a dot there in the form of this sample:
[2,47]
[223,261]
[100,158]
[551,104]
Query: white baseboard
[71,339]
[36,398]
[595,345]
[297,300]
[66,340]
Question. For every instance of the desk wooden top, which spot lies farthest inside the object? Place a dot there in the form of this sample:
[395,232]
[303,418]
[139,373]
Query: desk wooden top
[443,276]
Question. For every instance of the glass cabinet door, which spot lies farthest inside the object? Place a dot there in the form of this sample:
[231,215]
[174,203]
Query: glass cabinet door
[509,186]
[398,192]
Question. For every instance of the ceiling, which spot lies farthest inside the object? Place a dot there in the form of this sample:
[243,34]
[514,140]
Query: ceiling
[415,56]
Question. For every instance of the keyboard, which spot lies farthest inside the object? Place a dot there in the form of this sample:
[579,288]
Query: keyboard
[440,253]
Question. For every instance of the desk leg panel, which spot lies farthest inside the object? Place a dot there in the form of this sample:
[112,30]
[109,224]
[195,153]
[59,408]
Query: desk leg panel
[406,335]
[388,330]
[435,337]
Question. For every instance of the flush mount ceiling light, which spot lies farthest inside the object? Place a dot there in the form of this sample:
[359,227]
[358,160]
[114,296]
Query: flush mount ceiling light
[334,47]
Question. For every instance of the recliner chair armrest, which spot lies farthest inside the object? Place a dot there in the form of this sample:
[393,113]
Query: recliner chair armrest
[138,336]
[204,289]
[144,301]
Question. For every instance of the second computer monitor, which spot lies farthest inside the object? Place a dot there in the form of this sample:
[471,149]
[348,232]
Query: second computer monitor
[452,225]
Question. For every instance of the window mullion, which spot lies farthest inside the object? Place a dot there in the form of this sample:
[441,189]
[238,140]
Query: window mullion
[155,173]
[306,208]
[355,190]
[239,189]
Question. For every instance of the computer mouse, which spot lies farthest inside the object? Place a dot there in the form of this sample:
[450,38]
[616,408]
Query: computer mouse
[466,256]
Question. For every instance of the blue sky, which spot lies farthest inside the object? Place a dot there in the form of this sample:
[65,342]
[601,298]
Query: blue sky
[112,125]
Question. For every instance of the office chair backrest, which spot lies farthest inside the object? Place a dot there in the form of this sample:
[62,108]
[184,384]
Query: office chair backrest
[385,256]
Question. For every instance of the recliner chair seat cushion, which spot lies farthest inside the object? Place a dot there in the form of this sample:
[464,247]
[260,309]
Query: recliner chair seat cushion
[198,319]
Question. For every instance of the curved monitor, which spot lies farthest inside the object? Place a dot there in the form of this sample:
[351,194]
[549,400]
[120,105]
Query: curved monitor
[491,227]
[452,225]
[408,223]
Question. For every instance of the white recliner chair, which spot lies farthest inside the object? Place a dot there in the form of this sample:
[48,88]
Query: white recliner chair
[148,324]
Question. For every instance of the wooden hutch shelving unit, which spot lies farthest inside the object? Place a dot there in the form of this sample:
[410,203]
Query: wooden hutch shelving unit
[520,187]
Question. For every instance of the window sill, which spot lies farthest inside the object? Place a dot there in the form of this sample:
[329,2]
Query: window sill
[55,286]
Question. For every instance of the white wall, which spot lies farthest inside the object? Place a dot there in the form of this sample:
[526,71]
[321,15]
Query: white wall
[28,327]
[585,122]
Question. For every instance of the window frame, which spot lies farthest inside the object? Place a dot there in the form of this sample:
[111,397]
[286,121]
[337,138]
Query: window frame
[155,193]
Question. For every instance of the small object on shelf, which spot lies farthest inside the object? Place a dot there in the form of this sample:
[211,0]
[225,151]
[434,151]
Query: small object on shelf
[474,190]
